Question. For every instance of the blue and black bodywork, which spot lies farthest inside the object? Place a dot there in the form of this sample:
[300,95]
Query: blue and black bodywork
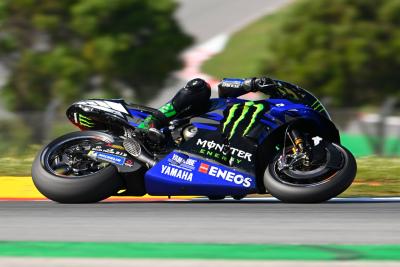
[228,153]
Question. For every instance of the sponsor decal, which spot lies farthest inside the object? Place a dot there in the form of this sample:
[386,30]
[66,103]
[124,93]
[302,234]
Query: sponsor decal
[110,150]
[219,151]
[245,112]
[129,163]
[177,173]
[232,83]
[115,146]
[83,120]
[108,157]
[112,107]
[317,106]
[226,175]
[204,168]
[182,161]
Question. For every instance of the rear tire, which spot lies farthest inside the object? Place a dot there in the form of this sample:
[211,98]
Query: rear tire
[89,188]
[335,185]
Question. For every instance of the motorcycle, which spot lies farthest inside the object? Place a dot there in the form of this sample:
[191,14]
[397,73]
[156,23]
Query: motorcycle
[285,145]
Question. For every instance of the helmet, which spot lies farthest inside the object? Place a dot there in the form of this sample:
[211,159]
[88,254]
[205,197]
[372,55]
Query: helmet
[193,98]
[197,85]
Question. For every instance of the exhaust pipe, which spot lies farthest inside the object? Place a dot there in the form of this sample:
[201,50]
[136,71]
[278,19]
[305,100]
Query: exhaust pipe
[134,149]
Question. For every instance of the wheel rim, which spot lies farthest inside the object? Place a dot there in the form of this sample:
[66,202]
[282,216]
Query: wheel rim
[307,178]
[68,158]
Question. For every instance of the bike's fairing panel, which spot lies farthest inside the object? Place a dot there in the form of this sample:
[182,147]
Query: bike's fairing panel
[112,114]
[180,173]
[297,94]
[234,133]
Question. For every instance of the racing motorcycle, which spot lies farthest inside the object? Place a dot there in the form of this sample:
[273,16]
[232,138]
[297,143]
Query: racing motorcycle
[285,145]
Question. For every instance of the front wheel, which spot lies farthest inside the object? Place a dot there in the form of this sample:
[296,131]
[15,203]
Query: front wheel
[312,185]
[62,173]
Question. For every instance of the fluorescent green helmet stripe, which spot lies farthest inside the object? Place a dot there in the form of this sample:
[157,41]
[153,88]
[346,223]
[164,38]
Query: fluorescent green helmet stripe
[230,116]
[242,116]
[260,107]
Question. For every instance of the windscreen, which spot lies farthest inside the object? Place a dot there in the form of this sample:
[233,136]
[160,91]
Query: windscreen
[297,94]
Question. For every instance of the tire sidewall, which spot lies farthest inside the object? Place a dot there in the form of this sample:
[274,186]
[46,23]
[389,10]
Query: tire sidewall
[337,184]
[89,188]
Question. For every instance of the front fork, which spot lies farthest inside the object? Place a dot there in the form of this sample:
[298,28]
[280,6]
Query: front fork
[300,153]
[297,141]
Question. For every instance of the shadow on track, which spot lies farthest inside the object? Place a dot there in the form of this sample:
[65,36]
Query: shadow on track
[250,200]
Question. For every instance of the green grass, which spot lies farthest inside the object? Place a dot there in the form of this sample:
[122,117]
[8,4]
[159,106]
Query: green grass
[16,166]
[244,52]
[376,176]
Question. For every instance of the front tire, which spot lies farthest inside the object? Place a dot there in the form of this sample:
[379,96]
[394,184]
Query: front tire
[88,188]
[334,185]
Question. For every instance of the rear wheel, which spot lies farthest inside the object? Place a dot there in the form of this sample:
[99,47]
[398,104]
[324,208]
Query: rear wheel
[63,173]
[331,174]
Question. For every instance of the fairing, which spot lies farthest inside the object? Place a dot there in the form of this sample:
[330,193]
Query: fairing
[180,173]
[222,158]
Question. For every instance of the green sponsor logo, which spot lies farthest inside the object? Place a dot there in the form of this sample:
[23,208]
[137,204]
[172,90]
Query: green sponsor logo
[85,121]
[218,151]
[230,116]
[245,111]
[259,108]
[317,106]
[219,155]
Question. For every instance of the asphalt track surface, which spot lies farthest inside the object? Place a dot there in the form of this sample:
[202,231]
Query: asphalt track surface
[261,221]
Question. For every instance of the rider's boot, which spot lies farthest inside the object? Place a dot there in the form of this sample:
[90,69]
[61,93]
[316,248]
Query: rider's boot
[148,129]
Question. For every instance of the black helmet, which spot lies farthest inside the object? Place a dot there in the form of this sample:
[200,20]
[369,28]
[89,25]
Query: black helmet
[197,85]
[192,98]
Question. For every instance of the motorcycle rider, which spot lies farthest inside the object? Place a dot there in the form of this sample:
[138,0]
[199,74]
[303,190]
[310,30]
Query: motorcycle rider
[194,98]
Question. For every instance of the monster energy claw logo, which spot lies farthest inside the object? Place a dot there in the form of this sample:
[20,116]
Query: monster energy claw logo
[85,121]
[242,116]
[317,106]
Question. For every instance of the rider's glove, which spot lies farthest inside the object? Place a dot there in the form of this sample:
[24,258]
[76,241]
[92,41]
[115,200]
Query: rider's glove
[248,85]
[258,84]
[264,82]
